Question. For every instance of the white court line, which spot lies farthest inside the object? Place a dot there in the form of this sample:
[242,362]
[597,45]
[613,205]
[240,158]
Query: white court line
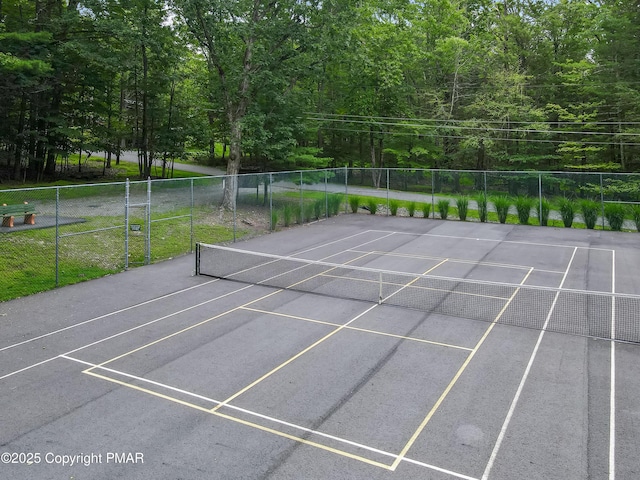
[125,331]
[516,242]
[456,260]
[162,297]
[612,394]
[514,402]
[268,418]
[106,315]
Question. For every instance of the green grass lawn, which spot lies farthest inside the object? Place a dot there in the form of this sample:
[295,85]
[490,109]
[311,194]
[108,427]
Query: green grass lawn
[29,264]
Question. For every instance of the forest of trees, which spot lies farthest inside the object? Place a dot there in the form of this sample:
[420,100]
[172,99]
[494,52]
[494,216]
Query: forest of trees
[291,84]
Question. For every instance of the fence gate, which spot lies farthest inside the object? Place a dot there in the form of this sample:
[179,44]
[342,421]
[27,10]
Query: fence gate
[137,224]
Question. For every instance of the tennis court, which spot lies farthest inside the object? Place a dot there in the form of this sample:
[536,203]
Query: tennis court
[359,347]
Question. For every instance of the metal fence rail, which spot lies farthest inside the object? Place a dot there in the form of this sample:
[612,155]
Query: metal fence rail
[87,231]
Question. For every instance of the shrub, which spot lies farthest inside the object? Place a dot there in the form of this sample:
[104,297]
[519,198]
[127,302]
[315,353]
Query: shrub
[502,204]
[567,211]
[523,208]
[426,210]
[462,203]
[287,215]
[297,211]
[635,216]
[373,205]
[274,220]
[309,212]
[481,200]
[411,209]
[393,207]
[614,213]
[543,207]
[589,210]
[318,208]
[354,203]
[334,201]
[443,208]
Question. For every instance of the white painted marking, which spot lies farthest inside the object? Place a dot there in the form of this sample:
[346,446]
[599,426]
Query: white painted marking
[612,401]
[106,315]
[532,358]
[123,332]
[270,419]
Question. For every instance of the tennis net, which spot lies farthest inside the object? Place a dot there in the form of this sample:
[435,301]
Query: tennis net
[578,312]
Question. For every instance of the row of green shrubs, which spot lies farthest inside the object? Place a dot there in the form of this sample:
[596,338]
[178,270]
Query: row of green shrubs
[569,210]
[291,213]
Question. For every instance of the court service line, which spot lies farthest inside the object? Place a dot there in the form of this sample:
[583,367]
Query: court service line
[357,329]
[296,356]
[407,285]
[458,260]
[217,402]
[455,378]
[229,417]
[388,234]
[126,309]
[123,332]
[516,242]
[122,310]
[299,354]
[612,393]
[525,376]
[251,413]
[186,329]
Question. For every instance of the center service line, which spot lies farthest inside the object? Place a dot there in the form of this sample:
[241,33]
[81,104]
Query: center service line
[612,400]
[455,378]
[514,402]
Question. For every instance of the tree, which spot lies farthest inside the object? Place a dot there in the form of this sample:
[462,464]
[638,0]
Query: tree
[251,47]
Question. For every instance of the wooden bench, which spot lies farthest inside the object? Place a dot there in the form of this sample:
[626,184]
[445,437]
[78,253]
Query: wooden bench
[9,211]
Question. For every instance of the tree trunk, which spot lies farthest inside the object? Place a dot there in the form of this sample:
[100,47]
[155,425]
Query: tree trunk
[372,153]
[146,166]
[233,165]
[52,137]
[20,138]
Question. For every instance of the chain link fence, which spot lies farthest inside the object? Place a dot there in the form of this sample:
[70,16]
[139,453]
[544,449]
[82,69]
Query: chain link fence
[88,231]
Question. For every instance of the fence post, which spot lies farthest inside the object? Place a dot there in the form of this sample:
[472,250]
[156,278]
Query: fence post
[387,192]
[235,205]
[57,236]
[602,200]
[346,189]
[271,202]
[126,224]
[484,174]
[301,200]
[191,217]
[540,198]
[326,196]
[147,255]
[433,200]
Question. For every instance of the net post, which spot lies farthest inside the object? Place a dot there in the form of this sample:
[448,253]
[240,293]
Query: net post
[380,288]
[197,258]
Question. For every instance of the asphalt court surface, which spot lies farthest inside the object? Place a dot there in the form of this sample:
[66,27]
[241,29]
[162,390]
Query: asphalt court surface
[156,373]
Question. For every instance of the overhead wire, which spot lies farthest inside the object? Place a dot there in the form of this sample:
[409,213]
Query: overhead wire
[462,137]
